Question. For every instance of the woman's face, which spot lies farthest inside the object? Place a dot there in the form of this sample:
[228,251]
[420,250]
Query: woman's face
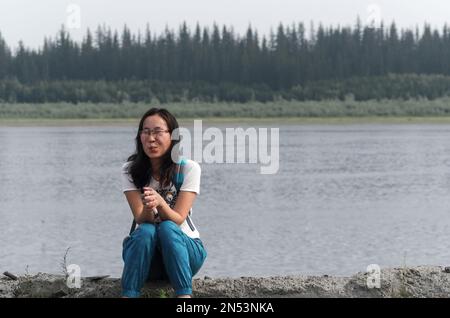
[155,137]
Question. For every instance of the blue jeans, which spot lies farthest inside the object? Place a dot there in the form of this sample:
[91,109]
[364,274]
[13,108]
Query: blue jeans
[182,257]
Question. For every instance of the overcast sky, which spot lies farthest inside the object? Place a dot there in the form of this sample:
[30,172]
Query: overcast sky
[31,20]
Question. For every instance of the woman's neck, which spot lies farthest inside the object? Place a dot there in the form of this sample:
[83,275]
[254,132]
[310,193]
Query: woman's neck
[156,165]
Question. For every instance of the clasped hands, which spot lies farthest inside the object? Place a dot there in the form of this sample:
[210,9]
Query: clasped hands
[151,199]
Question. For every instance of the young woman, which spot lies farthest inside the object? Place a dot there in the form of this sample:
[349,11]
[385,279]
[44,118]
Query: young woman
[161,208]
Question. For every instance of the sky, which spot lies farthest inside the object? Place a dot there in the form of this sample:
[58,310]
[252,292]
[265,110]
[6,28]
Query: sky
[32,20]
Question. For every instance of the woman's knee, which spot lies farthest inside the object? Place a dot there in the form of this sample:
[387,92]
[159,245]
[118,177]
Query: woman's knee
[143,239]
[146,232]
[168,229]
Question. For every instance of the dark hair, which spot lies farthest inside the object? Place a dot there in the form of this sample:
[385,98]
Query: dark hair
[140,167]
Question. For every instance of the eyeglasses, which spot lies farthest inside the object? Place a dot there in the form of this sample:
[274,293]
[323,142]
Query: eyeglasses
[156,132]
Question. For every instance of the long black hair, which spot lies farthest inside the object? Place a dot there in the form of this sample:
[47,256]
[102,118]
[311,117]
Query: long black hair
[140,167]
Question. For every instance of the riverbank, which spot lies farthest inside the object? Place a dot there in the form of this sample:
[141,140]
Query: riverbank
[280,111]
[209,121]
[422,281]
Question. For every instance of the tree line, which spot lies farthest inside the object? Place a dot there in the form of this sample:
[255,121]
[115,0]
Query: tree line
[209,64]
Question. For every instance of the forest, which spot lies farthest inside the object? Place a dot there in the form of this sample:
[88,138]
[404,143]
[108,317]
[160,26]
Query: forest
[216,64]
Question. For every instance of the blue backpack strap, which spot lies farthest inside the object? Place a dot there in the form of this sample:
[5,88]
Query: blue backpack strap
[178,177]
[178,181]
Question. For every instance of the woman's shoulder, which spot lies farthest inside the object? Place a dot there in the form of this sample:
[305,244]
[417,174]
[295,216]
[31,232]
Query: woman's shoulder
[125,166]
[192,175]
[190,164]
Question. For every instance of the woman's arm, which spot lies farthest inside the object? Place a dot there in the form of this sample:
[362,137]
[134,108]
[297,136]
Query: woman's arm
[140,212]
[180,211]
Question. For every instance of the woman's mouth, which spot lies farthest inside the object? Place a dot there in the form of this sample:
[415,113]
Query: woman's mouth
[153,149]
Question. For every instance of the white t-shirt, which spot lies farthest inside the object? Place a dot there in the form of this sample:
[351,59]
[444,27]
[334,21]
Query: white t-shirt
[191,182]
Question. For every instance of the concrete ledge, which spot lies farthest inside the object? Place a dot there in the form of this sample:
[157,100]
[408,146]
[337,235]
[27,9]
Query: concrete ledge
[422,281]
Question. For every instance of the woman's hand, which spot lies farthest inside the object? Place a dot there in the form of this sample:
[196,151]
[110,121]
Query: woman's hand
[151,199]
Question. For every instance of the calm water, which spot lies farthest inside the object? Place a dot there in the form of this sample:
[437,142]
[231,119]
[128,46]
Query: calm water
[344,197]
